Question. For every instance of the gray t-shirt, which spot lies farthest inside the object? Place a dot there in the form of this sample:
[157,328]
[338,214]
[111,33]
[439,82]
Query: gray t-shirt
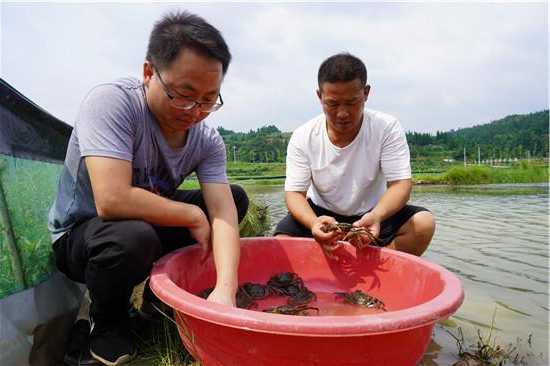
[114,121]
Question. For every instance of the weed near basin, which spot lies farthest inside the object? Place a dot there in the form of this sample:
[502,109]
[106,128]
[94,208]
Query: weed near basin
[486,351]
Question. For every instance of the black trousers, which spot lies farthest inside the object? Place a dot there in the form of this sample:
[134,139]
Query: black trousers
[111,257]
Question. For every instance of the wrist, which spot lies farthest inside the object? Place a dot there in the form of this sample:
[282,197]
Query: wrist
[377,215]
[226,286]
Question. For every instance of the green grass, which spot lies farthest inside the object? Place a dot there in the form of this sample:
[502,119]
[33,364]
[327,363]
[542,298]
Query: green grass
[261,182]
[256,221]
[239,169]
[159,344]
[478,174]
[242,181]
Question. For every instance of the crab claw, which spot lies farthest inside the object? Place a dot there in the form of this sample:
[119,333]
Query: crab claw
[328,249]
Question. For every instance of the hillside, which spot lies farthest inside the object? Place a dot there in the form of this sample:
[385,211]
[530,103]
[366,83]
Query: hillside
[515,136]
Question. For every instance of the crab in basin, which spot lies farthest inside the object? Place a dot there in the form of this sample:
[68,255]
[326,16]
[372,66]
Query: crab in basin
[291,310]
[256,291]
[285,283]
[205,293]
[304,296]
[361,298]
[359,237]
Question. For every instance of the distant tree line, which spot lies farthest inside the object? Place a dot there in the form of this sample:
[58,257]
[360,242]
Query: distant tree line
[264,145]
[514,136]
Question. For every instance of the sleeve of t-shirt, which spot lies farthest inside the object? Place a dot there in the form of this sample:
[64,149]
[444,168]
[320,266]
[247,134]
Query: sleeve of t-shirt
[103,124]
[212,168]
[298,171]
[395,159]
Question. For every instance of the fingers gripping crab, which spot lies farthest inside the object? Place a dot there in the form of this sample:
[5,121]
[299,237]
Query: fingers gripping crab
[359,237]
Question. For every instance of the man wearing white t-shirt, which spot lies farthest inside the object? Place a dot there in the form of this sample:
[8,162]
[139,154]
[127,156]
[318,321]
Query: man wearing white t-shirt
[351,164]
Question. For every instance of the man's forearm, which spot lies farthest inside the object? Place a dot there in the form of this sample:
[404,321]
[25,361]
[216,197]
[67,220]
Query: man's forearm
[225,235]
[138,203]
[396,197]
[300,209]
[226,249]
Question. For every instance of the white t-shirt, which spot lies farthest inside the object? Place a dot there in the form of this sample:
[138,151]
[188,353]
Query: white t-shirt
[349,180]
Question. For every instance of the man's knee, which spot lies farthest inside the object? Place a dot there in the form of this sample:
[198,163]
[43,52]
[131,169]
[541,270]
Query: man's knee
[131,247]
[424,224]
[415,236]
[241,200]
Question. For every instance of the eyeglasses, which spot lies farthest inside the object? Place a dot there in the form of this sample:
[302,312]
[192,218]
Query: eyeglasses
[188,104]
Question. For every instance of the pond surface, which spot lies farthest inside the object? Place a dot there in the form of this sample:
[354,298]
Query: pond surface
[495,238]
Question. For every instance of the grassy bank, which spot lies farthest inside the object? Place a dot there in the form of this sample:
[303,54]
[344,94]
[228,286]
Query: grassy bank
[274,174]
[240,169]
[478,174]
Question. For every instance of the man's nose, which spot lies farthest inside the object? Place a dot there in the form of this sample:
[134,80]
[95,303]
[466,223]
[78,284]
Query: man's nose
[342,112]
[194,112]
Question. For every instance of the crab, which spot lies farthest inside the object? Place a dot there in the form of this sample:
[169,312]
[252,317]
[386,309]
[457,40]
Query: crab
[302,297]
[285,283]
[205,293]
[359,237]
[291,310]
[256,291]
[244,300]
[361,298]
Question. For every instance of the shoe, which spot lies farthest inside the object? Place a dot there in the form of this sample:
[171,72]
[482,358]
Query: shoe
[77,350]
[111,343]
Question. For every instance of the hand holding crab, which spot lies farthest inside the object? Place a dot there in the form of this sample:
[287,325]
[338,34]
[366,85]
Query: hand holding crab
[359,237]
[327,239]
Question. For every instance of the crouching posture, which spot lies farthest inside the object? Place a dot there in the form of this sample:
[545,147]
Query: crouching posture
[118,206]
[351,165]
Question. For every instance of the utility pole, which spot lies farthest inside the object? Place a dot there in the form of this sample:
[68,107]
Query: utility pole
[464,155]
[528,157]
[234,154]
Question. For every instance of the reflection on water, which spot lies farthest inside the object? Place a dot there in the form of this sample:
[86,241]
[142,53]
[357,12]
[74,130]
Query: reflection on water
[495,238]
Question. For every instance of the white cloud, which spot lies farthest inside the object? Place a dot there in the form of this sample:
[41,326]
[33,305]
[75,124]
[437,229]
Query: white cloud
[435,66]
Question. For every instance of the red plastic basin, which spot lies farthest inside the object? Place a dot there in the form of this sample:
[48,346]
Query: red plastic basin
[416,294]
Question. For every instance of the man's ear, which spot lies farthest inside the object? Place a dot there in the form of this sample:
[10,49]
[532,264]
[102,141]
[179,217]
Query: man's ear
[148,72]
[367,91]
[318,94]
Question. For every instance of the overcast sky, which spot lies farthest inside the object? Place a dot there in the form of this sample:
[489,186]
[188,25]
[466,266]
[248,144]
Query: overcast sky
[434,66]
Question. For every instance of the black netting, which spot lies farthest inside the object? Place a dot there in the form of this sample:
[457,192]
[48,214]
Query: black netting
[33,143]
[27,131]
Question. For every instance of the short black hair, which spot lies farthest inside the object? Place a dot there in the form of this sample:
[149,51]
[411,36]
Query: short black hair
[176,31]
[342,67]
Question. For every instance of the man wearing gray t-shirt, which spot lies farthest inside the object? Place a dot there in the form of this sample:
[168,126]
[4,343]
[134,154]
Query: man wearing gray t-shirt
[118,208]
